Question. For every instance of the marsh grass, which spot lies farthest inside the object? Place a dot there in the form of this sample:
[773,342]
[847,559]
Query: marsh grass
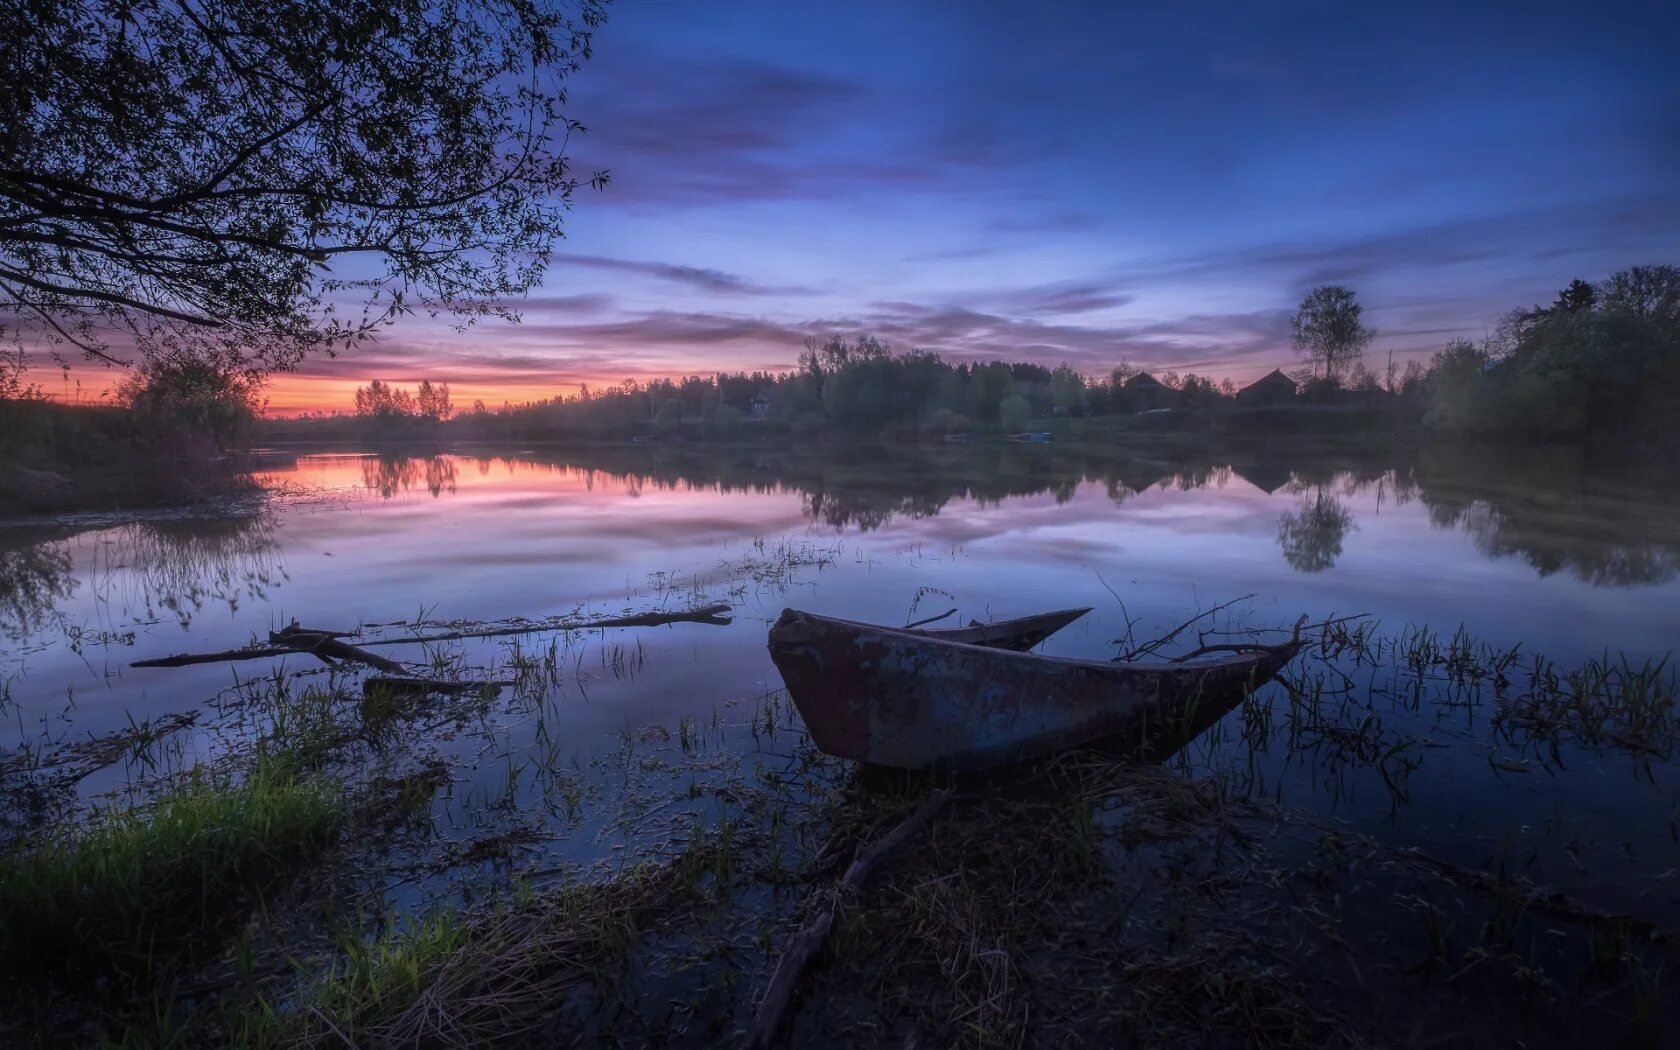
[136,889]
[1606,701]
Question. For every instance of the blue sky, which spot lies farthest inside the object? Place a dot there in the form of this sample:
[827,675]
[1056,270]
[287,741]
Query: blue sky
[1081,182]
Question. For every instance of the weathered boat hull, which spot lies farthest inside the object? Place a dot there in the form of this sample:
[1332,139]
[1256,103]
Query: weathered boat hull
[1018,635]
[901,698]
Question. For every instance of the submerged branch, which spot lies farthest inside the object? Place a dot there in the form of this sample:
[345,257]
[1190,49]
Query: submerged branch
[708,614]
[931,619]
[327,645]
[1535,898]
[256,652]
[1148,647]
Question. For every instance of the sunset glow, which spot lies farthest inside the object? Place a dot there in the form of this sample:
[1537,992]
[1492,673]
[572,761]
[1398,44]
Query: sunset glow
[1036,185]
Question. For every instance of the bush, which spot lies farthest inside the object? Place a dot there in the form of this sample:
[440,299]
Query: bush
[189,407]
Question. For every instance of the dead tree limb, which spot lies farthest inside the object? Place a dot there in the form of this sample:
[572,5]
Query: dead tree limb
[1148,647]
[778,994]
[1535,898]
[188,659]
[327,644]
[1244,647]
[707,614]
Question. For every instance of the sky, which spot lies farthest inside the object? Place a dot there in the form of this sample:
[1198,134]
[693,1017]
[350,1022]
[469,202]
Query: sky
[1074,182]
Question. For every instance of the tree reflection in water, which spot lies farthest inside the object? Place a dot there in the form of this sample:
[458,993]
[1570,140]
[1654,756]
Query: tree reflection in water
[391,473]
[1556,515]
[1311,535]
[176,568]
[33,580]
[144,570]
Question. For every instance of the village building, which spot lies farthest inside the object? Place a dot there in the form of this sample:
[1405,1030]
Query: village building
[1273,388]
[1145,393]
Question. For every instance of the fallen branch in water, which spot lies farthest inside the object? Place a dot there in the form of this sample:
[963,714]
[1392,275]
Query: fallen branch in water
[1244,647]
[809,940]
[326,645]
[931,619]
[1148,647]
[257,652]
[707,614]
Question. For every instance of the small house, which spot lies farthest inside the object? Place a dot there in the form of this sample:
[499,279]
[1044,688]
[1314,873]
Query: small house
[1144,393]
[1273,388]
[760,408]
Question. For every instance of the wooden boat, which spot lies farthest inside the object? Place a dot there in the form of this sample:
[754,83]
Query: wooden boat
[910,699]
[1018,635]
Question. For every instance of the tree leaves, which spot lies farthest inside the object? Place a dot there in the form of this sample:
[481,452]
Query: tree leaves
[231,180]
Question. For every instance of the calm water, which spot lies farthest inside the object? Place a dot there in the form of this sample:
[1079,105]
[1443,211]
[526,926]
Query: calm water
[1564,561]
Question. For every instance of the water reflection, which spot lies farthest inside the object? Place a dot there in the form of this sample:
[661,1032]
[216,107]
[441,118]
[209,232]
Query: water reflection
[391,473]
[1552,514]
[1558,518]
[143,571]
[33,579]
[1311,535]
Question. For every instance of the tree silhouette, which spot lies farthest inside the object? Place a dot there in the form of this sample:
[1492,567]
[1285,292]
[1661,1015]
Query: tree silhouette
[1579,296]
[223,179]
[1327,329]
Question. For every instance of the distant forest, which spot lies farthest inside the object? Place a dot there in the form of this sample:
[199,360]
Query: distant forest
[1601,362]
[1598,368]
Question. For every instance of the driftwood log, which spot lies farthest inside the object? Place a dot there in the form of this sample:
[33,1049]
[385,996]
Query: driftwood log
[707,614]
[1534,898]
[255,652]
[328,645]
[778,994]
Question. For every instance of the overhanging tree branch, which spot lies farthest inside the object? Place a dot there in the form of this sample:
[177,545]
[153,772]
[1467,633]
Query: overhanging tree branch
[189,172]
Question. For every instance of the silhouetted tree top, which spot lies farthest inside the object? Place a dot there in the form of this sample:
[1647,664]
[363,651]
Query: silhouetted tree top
[1580,295]
[1651,292]
[1328,329]
[254,180]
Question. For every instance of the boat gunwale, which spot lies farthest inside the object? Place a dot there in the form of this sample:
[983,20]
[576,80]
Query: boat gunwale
[1282,649]
[1019,624]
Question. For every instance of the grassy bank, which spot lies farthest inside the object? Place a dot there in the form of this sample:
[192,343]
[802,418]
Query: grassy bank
[135,891]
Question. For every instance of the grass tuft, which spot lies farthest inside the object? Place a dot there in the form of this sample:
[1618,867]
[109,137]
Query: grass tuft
[133,888]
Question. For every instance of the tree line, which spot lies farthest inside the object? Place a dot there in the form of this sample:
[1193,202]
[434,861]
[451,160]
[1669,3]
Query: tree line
[1601,363]
[1603,360]
[856,385]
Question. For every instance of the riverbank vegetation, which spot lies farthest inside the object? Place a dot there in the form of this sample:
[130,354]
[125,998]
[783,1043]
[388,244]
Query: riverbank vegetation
[132,891]
[173,432]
